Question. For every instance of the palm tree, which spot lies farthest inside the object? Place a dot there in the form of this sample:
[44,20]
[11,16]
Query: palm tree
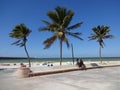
[100,33]
[21,32]
[72,53]
[60,28]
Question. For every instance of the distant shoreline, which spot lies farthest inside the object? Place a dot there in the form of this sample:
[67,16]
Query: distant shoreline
[14,58]
[25,60]
[53,57]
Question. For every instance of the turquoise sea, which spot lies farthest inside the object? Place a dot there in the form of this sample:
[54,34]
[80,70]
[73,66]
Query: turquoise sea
[20,60]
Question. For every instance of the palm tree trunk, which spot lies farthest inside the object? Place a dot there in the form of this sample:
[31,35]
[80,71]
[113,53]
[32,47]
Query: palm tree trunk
[72,53]
[100,54]
[27,55]
[60,52]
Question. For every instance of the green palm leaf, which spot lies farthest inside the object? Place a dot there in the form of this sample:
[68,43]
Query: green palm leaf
[108,36]
[48,42]
[74,35]
[46,22]
[61,14]
[53,16]
[74,26]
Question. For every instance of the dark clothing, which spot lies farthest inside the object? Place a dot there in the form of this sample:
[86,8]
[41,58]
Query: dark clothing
[81,65]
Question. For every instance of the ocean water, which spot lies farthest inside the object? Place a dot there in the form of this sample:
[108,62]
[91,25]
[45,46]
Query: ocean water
[19,60]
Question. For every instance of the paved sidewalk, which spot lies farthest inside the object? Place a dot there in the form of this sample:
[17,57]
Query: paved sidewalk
[67,68]
[93,79]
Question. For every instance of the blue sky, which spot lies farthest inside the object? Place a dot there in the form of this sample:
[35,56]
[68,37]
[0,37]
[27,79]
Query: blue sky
[31,12]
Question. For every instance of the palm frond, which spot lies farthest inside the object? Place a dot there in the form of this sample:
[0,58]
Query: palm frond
[108,36]
[16,42]
[46,22]
[22,44]
[75,26]
[48,42]
[70,13]
[44,29]
[61,13]
[77,33]
[93,37]
[67,19]
[96,31]
[102,44]
[51,27]
[74,35]
[53,16]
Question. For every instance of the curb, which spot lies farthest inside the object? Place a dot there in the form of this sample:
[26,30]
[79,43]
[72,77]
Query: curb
[67,70]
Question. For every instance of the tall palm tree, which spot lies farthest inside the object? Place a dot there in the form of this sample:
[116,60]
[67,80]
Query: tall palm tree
[21,32]
[60,28]
[100,33]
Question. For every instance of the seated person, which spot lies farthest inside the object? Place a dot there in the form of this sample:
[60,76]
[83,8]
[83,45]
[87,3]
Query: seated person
[81,65]
[22,65]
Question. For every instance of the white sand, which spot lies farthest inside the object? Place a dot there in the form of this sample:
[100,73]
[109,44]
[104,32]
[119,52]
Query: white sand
[39,67]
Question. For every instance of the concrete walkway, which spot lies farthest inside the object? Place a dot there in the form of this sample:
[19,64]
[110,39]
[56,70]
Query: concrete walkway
[93,79]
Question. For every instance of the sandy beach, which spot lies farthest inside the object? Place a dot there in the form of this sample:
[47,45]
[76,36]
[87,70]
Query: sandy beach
[46,66]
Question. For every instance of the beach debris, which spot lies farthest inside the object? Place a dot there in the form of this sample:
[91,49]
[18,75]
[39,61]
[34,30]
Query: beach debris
[47,64]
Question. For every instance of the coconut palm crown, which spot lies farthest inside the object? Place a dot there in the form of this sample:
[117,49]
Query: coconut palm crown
[21,32]
[100,33]
[59,26]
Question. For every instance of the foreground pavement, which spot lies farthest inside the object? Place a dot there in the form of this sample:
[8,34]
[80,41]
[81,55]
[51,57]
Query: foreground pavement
[94,79]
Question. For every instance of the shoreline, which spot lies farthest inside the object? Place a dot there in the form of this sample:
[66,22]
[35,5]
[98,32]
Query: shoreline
[25,60]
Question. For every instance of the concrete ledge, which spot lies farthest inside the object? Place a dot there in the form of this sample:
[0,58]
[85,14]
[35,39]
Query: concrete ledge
[52,72]
[66,70]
